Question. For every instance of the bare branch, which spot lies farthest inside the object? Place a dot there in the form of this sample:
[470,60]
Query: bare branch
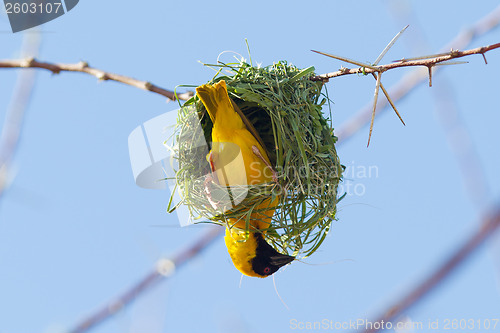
[428,61]
[489,225]
[84,67]
[164,269]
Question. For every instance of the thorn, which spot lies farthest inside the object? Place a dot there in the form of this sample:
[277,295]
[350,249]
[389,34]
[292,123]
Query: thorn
[430,56]
[484,57]
[354,62]
[375,98]
[449,62]
[430,75]
[388,47]
[390,100]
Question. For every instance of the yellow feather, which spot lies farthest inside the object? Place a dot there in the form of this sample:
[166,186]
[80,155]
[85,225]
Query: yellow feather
[235,163]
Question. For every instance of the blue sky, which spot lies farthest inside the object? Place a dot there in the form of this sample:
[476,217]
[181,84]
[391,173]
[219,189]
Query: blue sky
[75,230]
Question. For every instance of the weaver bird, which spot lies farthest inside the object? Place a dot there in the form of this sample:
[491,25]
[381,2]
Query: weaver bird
[238,158]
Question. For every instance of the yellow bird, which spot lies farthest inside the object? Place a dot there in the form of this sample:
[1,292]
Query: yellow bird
[237,158]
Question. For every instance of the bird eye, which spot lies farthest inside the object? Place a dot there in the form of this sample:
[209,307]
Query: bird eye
[267,270]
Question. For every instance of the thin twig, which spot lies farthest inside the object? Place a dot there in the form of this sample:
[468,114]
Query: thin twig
[164,269]
[489,225]
[84,67]
[429,61]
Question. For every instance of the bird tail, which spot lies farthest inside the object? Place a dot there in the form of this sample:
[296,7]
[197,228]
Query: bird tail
[217,102]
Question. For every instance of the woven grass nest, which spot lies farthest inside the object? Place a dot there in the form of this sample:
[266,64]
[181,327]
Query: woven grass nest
[285,108]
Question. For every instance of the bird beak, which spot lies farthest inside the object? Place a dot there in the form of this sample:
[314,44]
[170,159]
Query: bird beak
[281,259]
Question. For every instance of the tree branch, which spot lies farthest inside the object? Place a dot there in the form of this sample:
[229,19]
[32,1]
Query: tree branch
[84,67]
[164,269]
[489,225]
